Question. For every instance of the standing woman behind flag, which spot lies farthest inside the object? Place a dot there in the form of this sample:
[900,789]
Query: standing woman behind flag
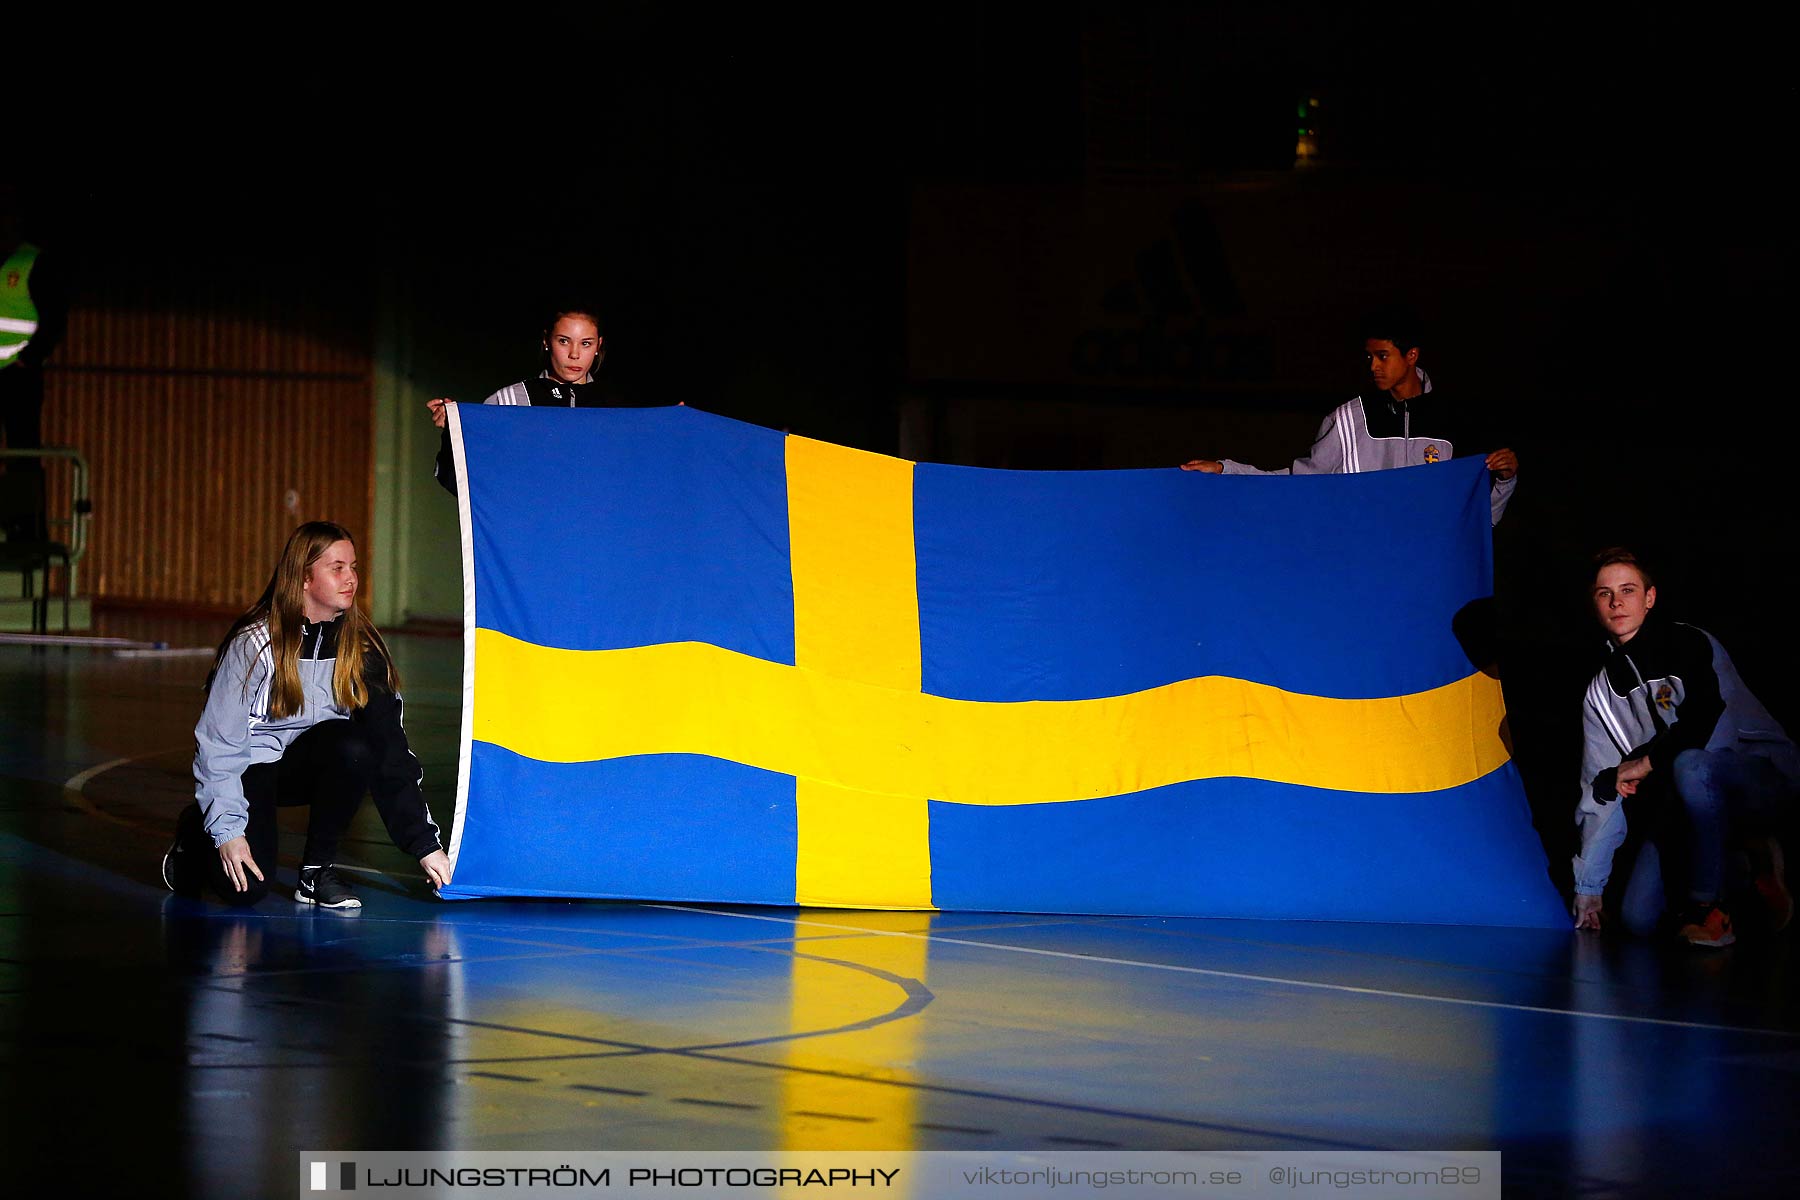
[573,351]
[303,707]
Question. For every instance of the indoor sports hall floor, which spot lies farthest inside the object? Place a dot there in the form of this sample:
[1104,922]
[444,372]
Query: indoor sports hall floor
[186,1050]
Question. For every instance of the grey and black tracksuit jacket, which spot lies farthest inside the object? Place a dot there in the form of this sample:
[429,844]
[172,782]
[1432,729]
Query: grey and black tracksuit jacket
[1670,688]
[542,392]
[236,732]
[1376,433]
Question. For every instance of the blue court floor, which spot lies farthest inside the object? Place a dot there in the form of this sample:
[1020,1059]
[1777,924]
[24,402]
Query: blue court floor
[185,1050]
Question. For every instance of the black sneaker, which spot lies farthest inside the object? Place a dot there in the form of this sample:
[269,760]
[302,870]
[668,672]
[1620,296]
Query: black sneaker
[321,886]
[175,873]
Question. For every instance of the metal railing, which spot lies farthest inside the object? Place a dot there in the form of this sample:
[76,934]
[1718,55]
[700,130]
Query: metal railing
[70,528]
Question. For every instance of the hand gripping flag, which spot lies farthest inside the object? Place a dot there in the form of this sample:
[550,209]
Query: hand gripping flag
[707,661]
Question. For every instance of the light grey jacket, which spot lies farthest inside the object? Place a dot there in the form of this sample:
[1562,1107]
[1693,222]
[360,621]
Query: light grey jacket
[1344,446]
[235,730]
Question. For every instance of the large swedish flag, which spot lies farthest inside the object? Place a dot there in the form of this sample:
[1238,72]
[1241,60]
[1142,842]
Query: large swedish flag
[706,661]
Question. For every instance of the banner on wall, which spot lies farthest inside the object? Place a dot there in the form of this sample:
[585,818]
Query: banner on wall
[706,661]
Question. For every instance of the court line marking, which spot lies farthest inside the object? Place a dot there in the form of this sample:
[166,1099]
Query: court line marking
[76,785]
[76,782]
[620,1049]
[378,872]
[81,779]
[1348,989]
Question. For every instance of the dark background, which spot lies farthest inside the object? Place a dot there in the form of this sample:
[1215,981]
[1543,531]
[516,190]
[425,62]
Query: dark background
[733,190]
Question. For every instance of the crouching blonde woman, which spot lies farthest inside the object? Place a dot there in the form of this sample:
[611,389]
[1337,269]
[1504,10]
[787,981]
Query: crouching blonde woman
[302,708]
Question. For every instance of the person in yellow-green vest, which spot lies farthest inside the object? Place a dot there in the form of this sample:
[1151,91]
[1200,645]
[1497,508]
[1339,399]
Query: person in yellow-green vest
[32,319]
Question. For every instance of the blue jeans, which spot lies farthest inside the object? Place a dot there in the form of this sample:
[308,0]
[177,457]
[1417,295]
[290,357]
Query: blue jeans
[1724,795]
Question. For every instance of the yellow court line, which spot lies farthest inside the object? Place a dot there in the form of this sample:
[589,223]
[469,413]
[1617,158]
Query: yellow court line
[692,698]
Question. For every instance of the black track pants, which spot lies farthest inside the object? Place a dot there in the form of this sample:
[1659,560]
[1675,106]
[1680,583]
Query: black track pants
[329,767]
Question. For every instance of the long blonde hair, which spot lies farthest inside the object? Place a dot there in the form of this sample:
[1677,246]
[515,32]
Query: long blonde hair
[280,607]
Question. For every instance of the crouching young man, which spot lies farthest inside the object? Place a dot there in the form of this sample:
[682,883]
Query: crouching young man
[1682,767]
